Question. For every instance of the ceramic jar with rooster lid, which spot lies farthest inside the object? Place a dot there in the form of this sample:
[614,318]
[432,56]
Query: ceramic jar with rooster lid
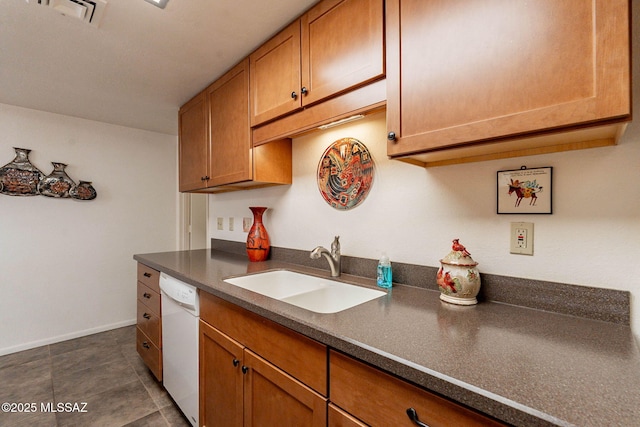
[458,277]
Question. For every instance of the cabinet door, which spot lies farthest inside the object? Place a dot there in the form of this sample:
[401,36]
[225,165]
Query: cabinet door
[275,76]
[466,71]
[228,99]
[220,379]
[273,398]
[339,418]
[193,143]
[342,47]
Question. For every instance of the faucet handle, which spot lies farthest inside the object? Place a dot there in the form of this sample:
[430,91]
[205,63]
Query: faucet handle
[335,246]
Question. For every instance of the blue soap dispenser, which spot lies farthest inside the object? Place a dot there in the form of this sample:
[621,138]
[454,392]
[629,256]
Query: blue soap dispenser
[384,277]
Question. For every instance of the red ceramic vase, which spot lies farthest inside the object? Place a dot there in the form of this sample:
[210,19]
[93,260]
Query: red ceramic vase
[258,244]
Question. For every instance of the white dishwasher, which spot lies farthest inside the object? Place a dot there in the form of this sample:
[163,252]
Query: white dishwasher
[180,315]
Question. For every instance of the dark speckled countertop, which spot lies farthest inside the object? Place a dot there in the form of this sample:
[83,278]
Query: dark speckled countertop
[523,366]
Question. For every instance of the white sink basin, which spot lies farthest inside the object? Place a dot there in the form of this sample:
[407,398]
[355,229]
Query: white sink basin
[312,293]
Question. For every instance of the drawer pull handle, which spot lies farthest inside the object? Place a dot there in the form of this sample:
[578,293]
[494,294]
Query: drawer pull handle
[146,345]
[245,369]
[147,295]
[236,362]
[146,316]
[147,274]
[413,416]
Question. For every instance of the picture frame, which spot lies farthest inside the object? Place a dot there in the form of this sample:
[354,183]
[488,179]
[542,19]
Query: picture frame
[525,191]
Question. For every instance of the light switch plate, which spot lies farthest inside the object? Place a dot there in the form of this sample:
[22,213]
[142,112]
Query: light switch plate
[220,223]
[521,238]
[246,224]
[230,223]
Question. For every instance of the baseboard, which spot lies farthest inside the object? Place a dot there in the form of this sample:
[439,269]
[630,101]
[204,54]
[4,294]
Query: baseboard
[65,337]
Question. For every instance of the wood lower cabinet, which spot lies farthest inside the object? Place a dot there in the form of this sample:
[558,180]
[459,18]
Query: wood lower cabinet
[339,418]
[371,396]
[216,152]
[274,398]
[149,323]
[466,78]
[254,372]
[338,45]
[221,379]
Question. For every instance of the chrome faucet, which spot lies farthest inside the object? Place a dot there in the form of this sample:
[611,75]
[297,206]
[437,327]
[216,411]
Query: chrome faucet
[333,257]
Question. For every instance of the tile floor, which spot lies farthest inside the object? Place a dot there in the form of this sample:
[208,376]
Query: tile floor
[102,370]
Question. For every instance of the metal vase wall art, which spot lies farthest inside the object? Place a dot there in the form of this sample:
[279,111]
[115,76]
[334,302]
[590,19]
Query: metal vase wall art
[21,178]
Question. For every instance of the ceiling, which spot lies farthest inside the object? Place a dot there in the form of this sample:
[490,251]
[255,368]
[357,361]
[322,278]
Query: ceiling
[139,66]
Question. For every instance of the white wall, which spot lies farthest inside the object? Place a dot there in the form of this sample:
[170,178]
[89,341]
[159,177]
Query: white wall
[66,267]
[412,213]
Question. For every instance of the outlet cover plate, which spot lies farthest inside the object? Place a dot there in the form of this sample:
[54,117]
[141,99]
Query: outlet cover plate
[521,238]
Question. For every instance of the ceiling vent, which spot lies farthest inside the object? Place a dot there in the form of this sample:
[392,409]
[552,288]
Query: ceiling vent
[89,11]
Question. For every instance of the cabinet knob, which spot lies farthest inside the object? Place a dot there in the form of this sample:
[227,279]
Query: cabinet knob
[304,90]
[146,316]
[147,295]
[245,369]
[391,136]
[147,274]
[236,362]
[146,345]
[294,95]
[413,416]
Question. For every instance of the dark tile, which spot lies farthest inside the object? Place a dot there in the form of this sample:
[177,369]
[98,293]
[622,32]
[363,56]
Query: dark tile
[123,335]
[34,419]
[85,357]
[103,339]
[174,416]
[24,356]
[104,370]
[115,407]
[129,350]
[152,420]
[28,382]
[76,385]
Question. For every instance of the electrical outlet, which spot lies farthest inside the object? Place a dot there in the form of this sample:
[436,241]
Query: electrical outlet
[220,224]
[246,224]
[521,238]
[230,223]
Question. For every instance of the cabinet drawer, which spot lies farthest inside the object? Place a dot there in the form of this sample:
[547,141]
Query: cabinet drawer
[298,355]
[149,297]
[150,353]
[149,322]
[149,277]
[372,395]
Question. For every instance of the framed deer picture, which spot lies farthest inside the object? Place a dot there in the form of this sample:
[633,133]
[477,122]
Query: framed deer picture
[525,191]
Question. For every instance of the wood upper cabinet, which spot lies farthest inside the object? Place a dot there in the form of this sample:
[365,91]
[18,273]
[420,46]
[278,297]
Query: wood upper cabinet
[466,72]
[193,131]
[275,76]
[228,99]
[216,152]
[336,46]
